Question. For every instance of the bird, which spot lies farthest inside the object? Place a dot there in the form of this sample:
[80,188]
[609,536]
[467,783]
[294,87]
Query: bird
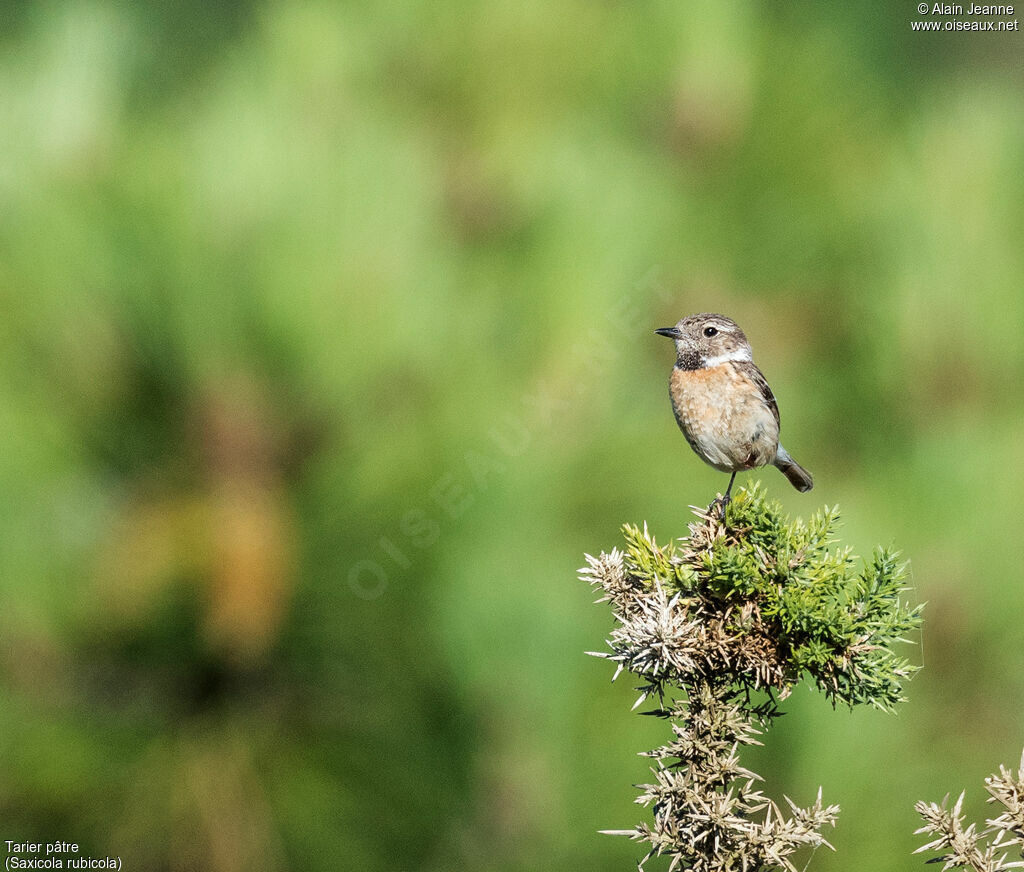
[722,401]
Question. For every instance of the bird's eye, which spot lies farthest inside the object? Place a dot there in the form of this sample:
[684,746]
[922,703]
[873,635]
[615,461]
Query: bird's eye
[710,331]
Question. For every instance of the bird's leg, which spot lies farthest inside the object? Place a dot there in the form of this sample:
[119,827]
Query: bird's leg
[726,499]
[728,490]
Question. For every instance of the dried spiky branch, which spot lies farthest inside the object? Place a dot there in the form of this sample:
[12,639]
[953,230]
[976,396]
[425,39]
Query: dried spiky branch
[997,847]
[720,628]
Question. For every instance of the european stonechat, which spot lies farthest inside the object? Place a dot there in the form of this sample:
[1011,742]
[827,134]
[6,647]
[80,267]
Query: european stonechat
[723,403]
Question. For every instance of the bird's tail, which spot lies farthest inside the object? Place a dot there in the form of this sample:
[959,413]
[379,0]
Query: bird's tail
[799,477]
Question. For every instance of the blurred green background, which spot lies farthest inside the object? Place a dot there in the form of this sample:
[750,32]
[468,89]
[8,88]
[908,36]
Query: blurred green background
[326,352]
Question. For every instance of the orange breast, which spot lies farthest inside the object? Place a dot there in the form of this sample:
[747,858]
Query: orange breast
[724,417]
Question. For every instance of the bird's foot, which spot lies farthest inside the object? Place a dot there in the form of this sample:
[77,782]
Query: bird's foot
[720,503]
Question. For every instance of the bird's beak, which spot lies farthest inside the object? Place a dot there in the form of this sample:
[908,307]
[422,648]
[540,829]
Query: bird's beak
[670,332]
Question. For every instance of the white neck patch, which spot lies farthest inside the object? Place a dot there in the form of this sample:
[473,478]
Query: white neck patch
[740,354]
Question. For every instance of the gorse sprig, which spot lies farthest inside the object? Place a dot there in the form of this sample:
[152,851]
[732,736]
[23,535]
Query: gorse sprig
[720,626]
[998,846]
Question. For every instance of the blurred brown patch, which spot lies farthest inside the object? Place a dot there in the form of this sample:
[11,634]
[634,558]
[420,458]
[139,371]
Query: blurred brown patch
[232,532]
[251,569]
[220,789]
[705,121]
[205,788]
[480,206]
[946,374]
[250,527]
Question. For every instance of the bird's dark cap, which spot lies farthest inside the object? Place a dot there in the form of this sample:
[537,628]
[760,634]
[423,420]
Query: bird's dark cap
[670,332]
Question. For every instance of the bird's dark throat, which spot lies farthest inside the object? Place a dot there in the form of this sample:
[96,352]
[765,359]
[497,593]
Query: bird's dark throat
[689,360]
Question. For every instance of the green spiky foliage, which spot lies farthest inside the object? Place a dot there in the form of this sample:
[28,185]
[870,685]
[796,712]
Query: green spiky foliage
[720,626]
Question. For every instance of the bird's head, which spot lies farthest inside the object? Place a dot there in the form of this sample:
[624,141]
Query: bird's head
[707,340]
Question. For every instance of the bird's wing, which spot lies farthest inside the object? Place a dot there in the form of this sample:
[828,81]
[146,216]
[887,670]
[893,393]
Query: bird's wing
[750,370]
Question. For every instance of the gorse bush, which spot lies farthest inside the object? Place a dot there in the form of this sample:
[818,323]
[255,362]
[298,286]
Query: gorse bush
[720,627]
